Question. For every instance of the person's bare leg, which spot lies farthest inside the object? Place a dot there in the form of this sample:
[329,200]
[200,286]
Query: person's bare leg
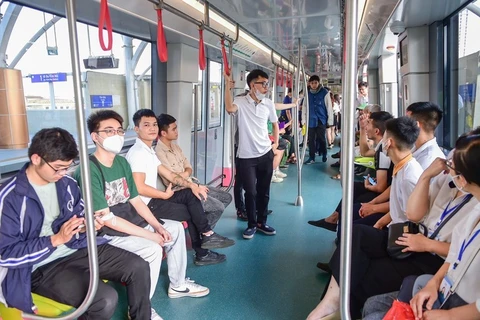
[330,303]
[333,218]
[278,155]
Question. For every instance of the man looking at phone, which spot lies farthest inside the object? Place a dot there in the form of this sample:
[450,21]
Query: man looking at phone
[43,244]
[180,205]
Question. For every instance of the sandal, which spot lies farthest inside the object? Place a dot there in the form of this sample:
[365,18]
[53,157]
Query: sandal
[292,160]
[336,177]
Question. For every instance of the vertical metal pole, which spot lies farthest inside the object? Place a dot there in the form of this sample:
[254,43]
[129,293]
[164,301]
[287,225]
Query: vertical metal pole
[52,95]
[299,199]
[348,142]
[232,125]
[84,162]
[195,129]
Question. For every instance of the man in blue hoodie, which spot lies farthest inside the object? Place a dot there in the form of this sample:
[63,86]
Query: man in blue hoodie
[320,117]
[43,241]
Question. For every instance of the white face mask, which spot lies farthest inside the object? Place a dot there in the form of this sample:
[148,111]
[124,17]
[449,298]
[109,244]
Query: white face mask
[454,180]
[259,95]
[113,144]
[385,147]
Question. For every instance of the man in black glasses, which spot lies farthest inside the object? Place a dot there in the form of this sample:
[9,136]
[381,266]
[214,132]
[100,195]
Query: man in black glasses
[43,243]
[255,150]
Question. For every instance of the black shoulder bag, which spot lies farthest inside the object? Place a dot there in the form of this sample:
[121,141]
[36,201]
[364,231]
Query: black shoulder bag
[396,230]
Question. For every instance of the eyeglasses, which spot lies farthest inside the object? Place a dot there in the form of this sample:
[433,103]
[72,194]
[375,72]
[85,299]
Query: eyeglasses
[111,132]
[449,164]
[264,84]
[59,171]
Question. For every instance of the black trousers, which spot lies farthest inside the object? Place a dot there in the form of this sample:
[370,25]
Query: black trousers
[66,280]
[288,137]
[373,271]
[256,176]
[238,187]
[317,134]
[184,206]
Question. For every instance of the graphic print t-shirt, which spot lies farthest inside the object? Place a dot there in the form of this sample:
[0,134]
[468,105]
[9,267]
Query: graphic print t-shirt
[119,184]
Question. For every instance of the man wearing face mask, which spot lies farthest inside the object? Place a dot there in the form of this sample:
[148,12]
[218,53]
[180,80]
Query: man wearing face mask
[129,223]
[320,110]
[255,150]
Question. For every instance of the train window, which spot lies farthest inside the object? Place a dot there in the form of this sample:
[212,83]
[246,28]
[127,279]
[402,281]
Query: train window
[47,72]
[465,68]
[215,97]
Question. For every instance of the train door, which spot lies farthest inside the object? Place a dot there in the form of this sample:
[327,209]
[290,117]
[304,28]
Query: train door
[207,125]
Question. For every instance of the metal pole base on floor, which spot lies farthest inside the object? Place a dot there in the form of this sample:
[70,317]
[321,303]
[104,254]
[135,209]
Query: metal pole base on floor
[299,201]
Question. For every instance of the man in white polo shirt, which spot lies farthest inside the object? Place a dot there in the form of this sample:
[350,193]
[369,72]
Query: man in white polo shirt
[255,150]
[428,115]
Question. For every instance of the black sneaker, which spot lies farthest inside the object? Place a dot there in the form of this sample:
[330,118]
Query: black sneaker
[324,158]
[336,155]
[210,258]
[242,215]
[324,224]
[335,165]
[216,241]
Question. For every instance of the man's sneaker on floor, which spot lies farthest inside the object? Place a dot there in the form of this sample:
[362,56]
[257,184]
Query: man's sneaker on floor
[210,258]
[215,240]
[242,215]
[279,174]
[155,316]
[188,289]
[266,229]
[324,158]
[310,161]
[335,165]
[249,232]
[276,179]
[336,155]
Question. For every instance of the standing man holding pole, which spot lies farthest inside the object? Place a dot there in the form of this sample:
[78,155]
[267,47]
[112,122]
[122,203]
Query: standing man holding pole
[255,150]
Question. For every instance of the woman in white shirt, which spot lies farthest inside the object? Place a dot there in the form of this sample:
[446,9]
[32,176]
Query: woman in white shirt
[455,289]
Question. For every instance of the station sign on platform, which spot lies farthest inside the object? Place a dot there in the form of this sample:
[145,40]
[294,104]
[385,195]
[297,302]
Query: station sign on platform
[101,101]
[49,77]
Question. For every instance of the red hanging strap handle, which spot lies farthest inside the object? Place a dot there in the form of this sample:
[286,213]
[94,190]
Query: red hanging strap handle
[201,50]
[277,80]
[104,21]
[161,42]
[281,79]
[226,67]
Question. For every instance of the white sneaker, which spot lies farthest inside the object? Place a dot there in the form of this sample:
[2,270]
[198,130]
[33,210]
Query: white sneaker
[279,174]
[188,289]
[276,179]
[155,315]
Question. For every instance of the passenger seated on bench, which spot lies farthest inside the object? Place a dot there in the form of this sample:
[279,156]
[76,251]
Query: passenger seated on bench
[372,127]
[427,115]
[130,225]
[400,135]
[43,241]
[171,156]
[460,269]
[180,205]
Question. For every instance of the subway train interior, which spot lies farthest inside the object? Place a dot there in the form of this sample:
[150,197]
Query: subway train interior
[63,60]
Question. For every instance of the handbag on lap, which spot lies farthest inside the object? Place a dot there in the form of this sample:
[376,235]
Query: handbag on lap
[398,229]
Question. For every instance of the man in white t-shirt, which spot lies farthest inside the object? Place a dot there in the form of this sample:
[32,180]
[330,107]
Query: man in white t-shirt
[255,150]
[428,115]
[180,205]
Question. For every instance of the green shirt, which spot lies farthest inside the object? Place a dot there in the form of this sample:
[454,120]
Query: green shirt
[119,184]
[49,200]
